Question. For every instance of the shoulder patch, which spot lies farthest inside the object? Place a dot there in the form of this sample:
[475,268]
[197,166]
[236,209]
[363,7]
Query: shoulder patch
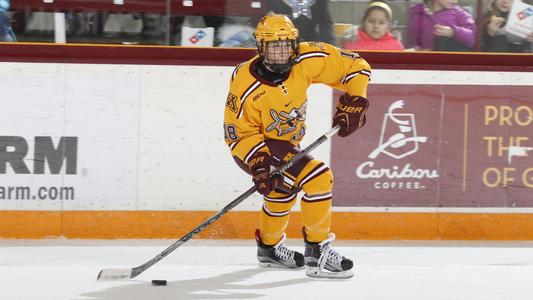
[231,102]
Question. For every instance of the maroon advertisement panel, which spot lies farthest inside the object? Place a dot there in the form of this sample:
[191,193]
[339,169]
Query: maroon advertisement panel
[439,146]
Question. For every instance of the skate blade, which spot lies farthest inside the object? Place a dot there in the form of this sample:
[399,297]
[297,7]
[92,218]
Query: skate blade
[270,265]
[317,273]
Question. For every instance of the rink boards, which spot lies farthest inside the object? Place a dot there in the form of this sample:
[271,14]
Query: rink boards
[137,151]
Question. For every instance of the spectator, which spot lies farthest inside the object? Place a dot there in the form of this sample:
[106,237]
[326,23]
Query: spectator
[311,17]
[440,25]
[375,31]
[6,33]
[493,38]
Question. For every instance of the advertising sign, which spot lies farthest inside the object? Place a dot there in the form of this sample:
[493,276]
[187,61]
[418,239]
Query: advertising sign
[487,159]
[68,137]
[433,146]
[393,162]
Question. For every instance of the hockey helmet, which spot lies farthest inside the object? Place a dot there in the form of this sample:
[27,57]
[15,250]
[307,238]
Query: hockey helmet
[277,29]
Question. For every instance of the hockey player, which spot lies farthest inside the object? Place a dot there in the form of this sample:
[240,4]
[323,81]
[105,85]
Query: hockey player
[264,122]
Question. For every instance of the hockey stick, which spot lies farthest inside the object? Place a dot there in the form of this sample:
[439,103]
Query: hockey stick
[118,274]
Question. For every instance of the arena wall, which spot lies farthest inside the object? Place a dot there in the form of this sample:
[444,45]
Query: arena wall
[127,142]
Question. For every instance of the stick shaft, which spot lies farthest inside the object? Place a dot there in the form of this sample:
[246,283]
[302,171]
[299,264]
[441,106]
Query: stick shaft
[138,270]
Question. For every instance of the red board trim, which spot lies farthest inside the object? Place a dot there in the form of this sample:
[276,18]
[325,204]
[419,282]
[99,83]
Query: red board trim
[163,55]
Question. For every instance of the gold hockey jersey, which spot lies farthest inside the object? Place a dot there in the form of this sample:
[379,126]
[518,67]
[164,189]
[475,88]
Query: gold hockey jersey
[257,109]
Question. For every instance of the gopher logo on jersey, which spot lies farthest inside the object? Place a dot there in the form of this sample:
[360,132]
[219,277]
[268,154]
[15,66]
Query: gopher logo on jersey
[286,122]
[231,102]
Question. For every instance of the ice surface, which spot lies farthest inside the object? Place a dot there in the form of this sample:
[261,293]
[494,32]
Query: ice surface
[206,269]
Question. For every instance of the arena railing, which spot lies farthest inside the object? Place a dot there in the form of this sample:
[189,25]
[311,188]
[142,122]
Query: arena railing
[176,7]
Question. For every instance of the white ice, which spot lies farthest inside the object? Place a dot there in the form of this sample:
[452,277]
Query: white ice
[62,269]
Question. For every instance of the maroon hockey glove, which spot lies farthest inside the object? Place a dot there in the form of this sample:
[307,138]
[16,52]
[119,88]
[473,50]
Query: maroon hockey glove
[350,114]
[260,167]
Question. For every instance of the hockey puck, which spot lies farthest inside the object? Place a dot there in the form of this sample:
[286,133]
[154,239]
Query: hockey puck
[159,282]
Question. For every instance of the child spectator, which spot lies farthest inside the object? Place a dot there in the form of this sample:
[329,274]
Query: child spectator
[440,25]
[493,38]
[6,33]
[374,34]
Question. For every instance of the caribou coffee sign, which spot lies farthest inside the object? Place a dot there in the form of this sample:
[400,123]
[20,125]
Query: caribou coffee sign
[399,141]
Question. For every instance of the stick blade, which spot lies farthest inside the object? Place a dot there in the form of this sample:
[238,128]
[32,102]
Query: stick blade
[114,274]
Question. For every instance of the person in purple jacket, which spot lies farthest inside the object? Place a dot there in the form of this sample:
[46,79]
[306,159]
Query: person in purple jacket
[440,25]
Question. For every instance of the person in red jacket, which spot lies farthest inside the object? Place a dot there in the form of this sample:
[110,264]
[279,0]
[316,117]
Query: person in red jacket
[374,34]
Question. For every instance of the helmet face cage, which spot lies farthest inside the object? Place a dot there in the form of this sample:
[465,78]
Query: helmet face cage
[277,42]
[279,56]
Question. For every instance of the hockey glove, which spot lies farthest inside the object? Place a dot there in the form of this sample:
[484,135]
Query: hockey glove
[350,114]
[259,165]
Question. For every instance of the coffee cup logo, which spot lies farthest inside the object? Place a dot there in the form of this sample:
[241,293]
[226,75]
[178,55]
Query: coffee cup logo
[398,137]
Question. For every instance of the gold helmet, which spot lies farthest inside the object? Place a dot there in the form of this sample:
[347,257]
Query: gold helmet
[277,28]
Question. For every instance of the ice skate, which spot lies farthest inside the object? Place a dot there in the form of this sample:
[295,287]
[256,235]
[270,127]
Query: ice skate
[277,256]
[324,262]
